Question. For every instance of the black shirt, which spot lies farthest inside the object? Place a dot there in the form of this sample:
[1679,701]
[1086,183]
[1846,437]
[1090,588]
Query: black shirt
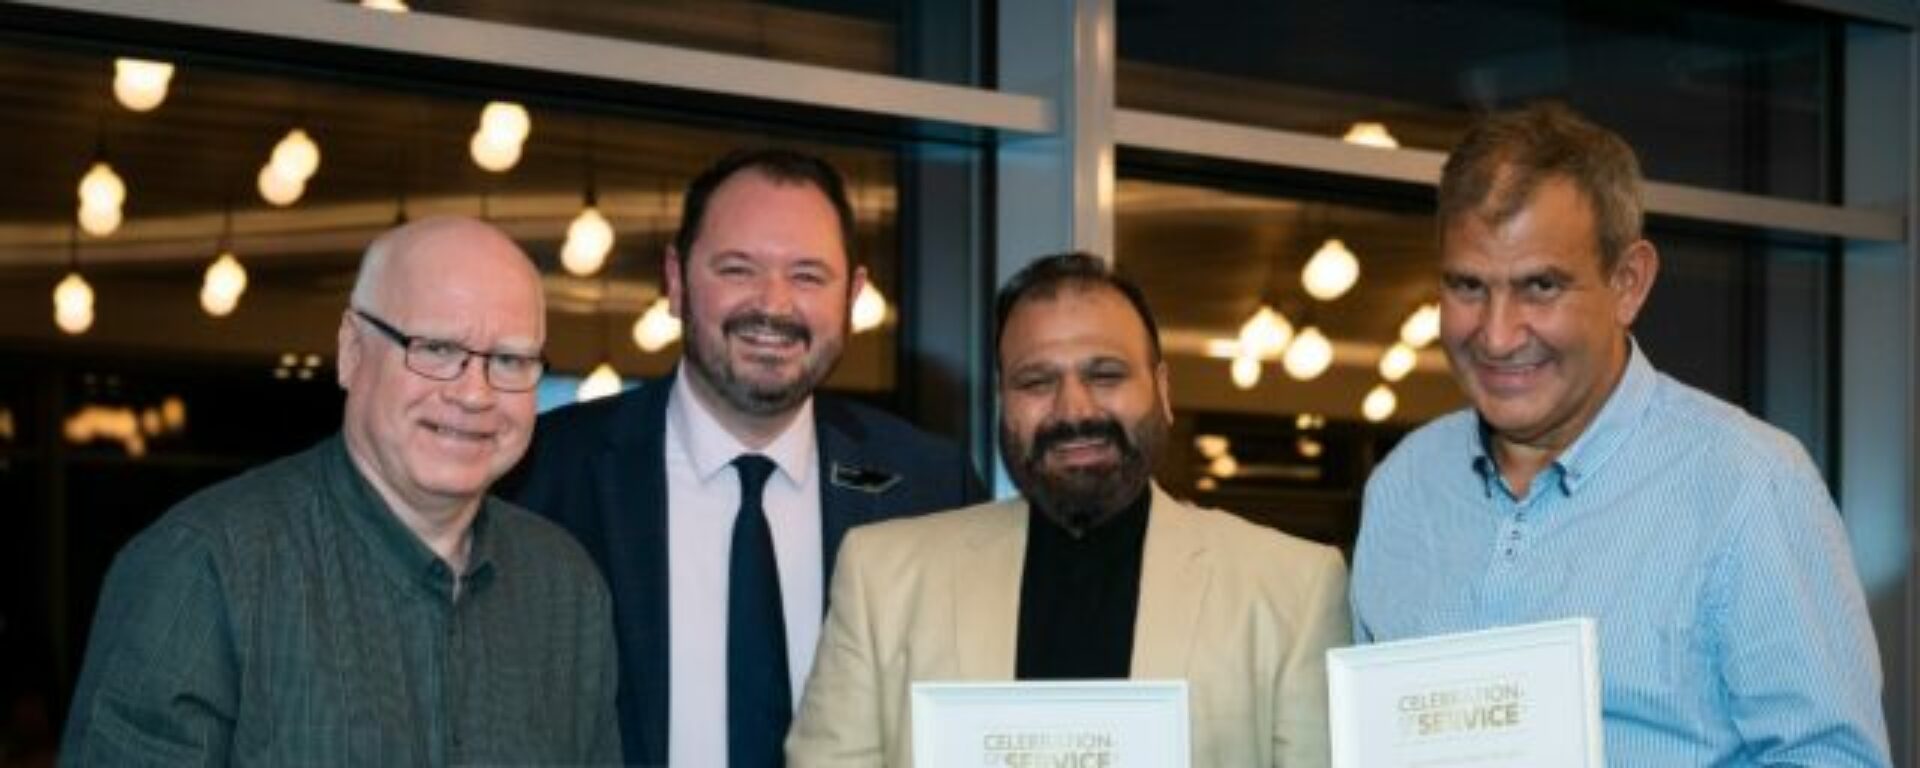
[1079,595]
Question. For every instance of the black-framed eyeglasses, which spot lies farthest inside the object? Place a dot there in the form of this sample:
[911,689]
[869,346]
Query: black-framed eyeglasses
[443,360]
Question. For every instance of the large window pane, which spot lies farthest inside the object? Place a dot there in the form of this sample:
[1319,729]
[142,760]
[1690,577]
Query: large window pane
[1728,96]
[190,169]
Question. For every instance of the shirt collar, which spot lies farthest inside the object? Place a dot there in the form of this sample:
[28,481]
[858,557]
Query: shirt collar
[1613,425]
[711,448]
[404,556]
[1610,429]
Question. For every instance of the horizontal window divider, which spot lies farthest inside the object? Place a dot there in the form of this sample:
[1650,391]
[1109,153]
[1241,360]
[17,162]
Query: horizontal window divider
[1899,13]
[567,53]
[1287,149]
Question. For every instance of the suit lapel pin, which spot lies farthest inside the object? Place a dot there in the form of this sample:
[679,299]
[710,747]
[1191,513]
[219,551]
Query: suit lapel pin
[862,479]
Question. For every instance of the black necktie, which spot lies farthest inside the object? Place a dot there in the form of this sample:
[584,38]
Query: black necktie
[759,698]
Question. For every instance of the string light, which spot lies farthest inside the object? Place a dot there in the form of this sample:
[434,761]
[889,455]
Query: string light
[496,144]
[73,304]
[589,240]
[1379,404]
[225,281]
[656,328]
[1331,272]
[1421,327]
[1245,372]
[141,85]
[602,382]
[1265,334]
[1309,355]
[869,309]
[101,195]
[296,156]
[1398,361]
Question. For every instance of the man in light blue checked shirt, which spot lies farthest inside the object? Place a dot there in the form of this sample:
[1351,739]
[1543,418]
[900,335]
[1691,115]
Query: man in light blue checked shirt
[1584,482]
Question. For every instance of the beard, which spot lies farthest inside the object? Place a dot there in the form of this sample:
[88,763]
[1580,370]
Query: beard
[758,396]
[1081,498]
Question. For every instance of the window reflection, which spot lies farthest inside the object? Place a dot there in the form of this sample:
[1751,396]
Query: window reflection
[1729,97]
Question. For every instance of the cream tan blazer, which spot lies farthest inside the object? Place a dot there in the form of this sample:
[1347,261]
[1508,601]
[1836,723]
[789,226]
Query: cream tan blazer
[1243,613]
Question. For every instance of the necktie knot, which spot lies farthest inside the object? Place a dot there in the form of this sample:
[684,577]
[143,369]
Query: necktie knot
[754,470]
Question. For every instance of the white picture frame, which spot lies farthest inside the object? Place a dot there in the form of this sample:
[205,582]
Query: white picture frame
[1096,722]
[1500,698]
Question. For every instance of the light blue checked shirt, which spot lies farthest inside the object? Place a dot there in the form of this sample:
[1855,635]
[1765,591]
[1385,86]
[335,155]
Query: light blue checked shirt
[1733,629]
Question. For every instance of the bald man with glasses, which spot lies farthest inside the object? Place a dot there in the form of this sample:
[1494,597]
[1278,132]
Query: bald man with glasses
[366,602]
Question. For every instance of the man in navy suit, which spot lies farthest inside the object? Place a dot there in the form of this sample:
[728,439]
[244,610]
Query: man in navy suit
[715,498]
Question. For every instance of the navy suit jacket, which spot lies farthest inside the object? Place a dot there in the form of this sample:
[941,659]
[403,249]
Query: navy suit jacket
[599,470]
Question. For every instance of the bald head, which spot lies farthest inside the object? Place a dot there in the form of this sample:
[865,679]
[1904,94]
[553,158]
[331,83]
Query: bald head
[436,249]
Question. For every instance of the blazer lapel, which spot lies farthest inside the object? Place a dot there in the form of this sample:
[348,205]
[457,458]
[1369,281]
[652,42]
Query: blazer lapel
[1174,576]
[984,573]
[632,483]
[842,443]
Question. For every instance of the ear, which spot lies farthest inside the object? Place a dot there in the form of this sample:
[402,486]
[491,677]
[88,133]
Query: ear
[1165,392]
[676,286]
[347,354]
[1632,280]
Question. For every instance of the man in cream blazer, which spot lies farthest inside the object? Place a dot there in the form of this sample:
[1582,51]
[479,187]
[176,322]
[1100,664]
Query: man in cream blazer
[1243,613]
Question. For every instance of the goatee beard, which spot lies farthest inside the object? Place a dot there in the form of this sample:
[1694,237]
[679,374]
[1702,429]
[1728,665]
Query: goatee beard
[1080,499]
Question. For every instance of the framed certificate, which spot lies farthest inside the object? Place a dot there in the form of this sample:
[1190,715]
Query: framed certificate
[1091,724]
[1516,696]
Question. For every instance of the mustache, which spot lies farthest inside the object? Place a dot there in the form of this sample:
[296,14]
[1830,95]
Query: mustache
[1531,353]
[1067,431]
[756,321]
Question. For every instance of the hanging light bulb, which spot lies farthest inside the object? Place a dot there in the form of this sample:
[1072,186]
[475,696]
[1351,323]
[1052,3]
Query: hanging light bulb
[1379,404]
[217,304]
[503,130]
[278,188]
[604,381]
[1245,372]
[1211,445]
[101,195]
[492,155]
[589,239]
[1309,355]
[1224,466]
[101,187]
[505,121]
[140,85]
[869,309]
[225,281]
[656,328]
[1421,327]
[73,304]
[1331,272]
[1398,361]
[99,222]
[1371,135]
[296,156]
[1265,334]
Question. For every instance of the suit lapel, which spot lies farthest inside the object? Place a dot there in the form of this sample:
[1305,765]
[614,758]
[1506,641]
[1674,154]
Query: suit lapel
[984,573]
[1174,577]
[631,476]
[842,442]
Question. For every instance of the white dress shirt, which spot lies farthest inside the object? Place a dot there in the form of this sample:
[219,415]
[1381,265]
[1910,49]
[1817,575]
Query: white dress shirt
[703,497]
